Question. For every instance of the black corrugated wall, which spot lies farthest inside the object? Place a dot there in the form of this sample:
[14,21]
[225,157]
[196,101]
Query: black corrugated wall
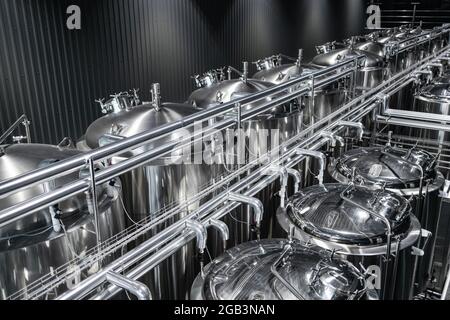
[53,74]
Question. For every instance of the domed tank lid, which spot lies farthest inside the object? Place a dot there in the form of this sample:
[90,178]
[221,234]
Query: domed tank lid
[271,69]
[348,214]
[136,120]
[229,90]
[18,159]
[283,73]
[396,168]
[372,47]
[252,271]
[438,91]
[127,123]
[371,60]
[385,39]
[226,91]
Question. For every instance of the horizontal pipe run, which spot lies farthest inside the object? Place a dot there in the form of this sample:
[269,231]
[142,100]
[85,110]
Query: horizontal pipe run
[413,123]
[75,163]
[138,289]
[170,249]
[68,295]
[26,208]
[379,87]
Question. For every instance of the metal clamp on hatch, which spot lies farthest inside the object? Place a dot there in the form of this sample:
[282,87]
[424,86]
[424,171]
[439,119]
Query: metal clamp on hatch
[209,78]
[268,62]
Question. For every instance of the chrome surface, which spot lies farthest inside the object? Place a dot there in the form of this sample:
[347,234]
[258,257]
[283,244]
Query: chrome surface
[398,170]
[323,218]
[405,171]
[157,185]
[33,246]
[246,272]
[163,244]
[358,223]
[372,72]
[286,118]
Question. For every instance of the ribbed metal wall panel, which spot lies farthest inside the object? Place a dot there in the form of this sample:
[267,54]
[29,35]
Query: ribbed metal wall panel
[53,74]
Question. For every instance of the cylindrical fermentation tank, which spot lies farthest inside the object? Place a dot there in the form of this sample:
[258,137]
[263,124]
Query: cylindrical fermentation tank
[154,188]
[398,61]
[286,119]
[40,243]
[271,69]
[433,99]
[371,74]
[406,172]
[279,269]
[353,222]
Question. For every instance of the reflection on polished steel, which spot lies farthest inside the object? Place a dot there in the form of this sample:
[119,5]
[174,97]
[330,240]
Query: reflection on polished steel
[369,76]
[408,172]
[278,270]
[153,188]
[272,70]
[323,216]
[285,118]
[55,236]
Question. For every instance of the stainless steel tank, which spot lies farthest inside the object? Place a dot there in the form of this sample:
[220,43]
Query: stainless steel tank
[369,76]
[286,118]
[353,222]
[434,99]
[152,189]
[279,269]
[398,39]
[407,172]
[40,243]
[273,70]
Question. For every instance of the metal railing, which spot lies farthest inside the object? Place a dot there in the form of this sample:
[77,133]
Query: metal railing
[415,14]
